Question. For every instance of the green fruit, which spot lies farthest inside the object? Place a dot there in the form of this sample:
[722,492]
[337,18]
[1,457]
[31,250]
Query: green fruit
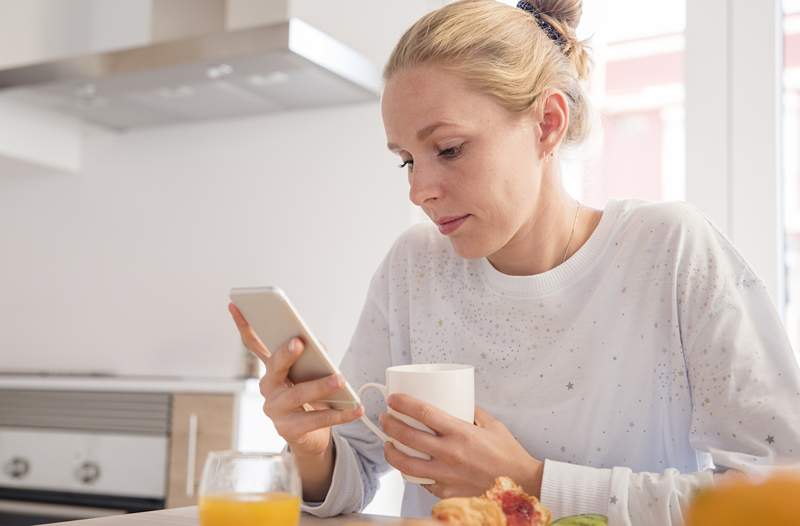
[582,520]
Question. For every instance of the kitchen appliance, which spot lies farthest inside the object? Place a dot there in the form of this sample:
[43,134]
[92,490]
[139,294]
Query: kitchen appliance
[278,66]
[79,454]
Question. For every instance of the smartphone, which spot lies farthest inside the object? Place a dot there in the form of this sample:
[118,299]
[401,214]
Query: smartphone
[275,320]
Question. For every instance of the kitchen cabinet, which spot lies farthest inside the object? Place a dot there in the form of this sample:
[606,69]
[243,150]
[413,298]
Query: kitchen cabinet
[200,423]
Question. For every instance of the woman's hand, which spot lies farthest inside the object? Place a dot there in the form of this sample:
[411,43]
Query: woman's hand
[303,423]
[465,458]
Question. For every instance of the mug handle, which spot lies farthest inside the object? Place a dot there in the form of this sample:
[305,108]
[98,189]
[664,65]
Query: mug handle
[364,418]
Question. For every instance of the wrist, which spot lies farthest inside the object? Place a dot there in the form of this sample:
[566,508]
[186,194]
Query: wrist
[316,472]
[531,481]
[313,456]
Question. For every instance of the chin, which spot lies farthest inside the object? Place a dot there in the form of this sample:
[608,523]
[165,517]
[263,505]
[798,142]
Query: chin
[469,249]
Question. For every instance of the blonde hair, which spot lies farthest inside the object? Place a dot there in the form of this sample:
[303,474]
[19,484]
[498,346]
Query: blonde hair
[502,51]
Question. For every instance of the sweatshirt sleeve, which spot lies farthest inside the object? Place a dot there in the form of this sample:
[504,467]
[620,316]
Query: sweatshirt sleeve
[745,389]
[359,461]
[626,498]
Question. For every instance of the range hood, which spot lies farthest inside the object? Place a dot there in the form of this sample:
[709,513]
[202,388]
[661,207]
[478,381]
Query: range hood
[270,68]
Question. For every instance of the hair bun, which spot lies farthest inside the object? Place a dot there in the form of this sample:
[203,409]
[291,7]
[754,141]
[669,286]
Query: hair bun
[568,12]
[565,15]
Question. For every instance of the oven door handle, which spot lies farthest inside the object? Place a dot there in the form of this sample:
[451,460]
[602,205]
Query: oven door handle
[45,509]
[191,455]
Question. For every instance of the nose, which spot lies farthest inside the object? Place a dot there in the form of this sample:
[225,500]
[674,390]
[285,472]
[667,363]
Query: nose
[424,185]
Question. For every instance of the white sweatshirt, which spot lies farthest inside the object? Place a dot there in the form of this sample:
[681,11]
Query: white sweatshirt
[648,359]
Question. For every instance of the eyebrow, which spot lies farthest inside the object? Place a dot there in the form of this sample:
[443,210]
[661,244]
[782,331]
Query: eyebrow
[424,133]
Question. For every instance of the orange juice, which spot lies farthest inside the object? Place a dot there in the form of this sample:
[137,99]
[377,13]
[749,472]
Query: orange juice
[251,509]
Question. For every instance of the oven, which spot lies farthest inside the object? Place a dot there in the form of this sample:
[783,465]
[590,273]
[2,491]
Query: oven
[28,513]
[68,455]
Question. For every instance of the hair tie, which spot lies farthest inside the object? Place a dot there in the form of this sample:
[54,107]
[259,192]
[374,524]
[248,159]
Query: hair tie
[543,24]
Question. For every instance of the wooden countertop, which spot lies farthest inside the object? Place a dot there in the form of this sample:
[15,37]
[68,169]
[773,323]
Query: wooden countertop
[188,517]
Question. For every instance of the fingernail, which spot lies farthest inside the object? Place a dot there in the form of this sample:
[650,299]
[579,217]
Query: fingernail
[334,381]
[294,345]
[382,417]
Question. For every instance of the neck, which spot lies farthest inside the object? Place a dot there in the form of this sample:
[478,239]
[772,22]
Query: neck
[539,244]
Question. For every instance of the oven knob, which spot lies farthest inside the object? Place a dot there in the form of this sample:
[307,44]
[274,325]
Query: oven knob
[17,467]
[88,472]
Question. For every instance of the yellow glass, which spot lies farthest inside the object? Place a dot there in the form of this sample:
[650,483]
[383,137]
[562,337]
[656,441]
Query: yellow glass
[235,509]
[252,489]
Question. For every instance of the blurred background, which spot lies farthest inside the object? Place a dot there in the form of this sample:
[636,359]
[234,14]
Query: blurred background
[132,203]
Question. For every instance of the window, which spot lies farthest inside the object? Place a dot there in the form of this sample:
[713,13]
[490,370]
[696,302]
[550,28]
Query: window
[637,148]
[791,166]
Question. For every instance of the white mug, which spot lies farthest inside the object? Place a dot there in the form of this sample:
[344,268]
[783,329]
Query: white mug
[449,387]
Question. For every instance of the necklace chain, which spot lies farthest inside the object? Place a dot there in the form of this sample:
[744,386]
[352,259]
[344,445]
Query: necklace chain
[574,220]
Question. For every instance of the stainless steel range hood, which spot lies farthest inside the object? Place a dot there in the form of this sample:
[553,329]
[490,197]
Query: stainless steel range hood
[271,68]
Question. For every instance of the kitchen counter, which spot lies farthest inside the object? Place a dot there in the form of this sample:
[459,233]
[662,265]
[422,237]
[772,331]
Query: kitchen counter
[188,517]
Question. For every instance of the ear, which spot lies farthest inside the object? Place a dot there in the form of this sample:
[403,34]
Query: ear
[553,122]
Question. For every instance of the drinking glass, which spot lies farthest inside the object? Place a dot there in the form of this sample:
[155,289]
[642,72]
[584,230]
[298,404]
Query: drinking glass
[254,489]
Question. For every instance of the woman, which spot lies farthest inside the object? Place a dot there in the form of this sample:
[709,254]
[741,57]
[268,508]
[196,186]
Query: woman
[622,355]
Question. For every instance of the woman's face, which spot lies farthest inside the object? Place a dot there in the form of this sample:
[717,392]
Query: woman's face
[466,157]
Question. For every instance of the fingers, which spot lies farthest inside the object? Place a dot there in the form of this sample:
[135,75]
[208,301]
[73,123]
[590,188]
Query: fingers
[280,363]
[411,437]
[429,415]
[249,337]
[236,313]
[436,490]
[415,467]
[292,427]
[307,392]
[446,491]
[483,419]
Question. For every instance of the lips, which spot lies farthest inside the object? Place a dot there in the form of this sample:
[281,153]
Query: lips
[449,219]
[448,225]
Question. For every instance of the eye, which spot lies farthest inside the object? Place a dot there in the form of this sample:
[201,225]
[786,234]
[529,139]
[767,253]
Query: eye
[451,153]
[406,163]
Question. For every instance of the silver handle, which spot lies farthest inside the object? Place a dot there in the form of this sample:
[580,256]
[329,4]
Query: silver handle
[43,509]
[191,455]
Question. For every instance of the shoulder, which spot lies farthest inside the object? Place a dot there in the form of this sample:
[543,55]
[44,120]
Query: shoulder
[675,223]
[678,215]
[681,230]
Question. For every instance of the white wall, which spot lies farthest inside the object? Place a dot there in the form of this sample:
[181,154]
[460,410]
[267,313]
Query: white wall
[99,267]
[125,267]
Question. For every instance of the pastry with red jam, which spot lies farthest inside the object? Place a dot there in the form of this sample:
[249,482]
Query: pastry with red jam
[505,504]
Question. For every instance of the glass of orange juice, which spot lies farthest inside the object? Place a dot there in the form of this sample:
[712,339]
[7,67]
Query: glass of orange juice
[256,489]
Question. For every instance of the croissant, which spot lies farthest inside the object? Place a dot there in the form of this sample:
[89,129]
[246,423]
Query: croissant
[504,504]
